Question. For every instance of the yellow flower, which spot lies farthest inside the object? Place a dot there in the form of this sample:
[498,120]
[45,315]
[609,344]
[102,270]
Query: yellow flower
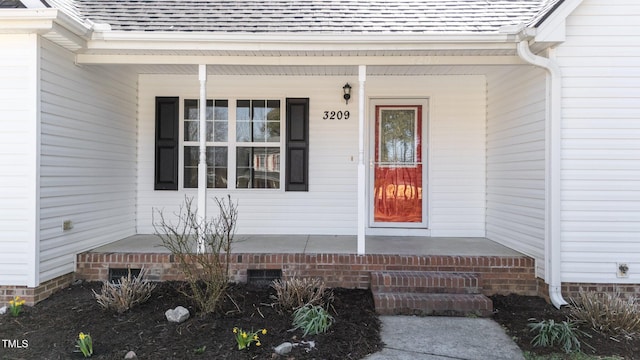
[255,337]
[264,331]
[11,302]
[82,336]
[235,330]
[258,343]
[244,335]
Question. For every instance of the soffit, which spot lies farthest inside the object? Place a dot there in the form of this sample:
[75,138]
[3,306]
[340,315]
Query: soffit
[241,70]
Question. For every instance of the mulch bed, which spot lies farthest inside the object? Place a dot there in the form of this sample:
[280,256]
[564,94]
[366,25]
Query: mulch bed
[516,312]
[52,326]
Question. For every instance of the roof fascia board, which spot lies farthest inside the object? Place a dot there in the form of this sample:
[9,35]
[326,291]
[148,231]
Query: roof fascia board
[27,20]
[553,29]
[297,60]
[45,22]
[306,42]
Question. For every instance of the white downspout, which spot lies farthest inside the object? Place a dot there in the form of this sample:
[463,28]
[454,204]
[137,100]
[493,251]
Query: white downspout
[362,184]
[202,163]
[553,126]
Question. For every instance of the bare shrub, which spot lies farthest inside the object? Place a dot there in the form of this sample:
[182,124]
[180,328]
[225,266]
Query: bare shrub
[294,293]
[608,314]
[125,293]
[202,248]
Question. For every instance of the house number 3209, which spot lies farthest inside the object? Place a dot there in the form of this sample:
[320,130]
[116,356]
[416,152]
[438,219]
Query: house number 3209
[336,115]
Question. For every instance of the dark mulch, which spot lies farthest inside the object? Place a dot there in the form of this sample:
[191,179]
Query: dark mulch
[516,312]
[52,326]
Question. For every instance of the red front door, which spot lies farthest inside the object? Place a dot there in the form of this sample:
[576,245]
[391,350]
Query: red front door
[397,189]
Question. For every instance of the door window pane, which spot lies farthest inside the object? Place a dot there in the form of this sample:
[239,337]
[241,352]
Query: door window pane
[397,136]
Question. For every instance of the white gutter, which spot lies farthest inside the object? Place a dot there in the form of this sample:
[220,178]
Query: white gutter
[553,167]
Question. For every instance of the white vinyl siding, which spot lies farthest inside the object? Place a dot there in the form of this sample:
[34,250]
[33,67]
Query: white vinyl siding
[600,62]
[329,207]
[455,159]
[88,158]
[516,161]
[18,159]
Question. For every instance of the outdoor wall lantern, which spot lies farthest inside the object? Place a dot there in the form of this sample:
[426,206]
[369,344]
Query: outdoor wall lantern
[346,89]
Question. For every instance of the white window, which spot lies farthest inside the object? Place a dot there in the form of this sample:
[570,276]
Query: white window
[255,148]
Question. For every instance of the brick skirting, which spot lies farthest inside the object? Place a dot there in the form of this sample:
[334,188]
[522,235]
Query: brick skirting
[497,275]
[37,294]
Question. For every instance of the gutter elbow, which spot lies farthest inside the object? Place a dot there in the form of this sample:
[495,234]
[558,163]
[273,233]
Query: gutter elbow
[555,295]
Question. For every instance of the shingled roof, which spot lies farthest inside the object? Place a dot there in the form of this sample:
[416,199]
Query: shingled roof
[309,16]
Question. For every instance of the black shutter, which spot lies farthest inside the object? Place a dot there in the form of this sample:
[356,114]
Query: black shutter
[297,167]
[166,162]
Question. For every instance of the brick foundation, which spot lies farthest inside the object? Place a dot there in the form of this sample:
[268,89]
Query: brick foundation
[571,290]
[497,275]
[37,294]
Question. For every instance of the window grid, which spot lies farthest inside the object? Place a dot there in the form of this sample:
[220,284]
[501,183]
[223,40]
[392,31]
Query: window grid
[245,150]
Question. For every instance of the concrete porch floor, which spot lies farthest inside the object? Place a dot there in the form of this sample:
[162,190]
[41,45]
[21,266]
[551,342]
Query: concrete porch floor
[331,244]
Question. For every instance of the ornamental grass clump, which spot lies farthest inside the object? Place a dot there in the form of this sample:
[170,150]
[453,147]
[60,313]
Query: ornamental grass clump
[244,339]
[294,293]
[15,306]
[125,293]
[202,248]
[312,319]
[609,314]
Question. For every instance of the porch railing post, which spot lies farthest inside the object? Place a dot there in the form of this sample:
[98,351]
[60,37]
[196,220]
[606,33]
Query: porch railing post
[362,183]
[202,163]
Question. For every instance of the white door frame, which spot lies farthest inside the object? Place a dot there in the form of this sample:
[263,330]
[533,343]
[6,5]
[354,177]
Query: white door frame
[390,228]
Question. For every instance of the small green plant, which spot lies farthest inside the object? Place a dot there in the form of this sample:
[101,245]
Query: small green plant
[200,350]
[551,333]
[312,319]
[15,306]
[244,339]
[85,344]
[126,293]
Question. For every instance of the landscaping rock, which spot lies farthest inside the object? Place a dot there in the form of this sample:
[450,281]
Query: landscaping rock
[284,348]
[3,310]
[177,315]
[131,355]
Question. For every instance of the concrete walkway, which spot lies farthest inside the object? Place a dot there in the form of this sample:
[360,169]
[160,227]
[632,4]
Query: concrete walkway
[444,338]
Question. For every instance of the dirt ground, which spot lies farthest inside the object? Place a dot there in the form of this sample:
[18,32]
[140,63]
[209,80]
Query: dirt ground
[516,312]
[50,329]
[52,326]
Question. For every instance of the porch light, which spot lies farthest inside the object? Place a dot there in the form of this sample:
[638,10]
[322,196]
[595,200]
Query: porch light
[346,89]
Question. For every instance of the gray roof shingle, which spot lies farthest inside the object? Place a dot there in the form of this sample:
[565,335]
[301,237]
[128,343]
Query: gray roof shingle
[309,16]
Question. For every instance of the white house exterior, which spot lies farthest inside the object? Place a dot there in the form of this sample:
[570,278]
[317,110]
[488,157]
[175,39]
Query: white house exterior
[519,123]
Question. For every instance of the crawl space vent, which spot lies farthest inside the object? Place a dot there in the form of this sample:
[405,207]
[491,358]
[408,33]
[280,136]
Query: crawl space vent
[262,277]
[116,274]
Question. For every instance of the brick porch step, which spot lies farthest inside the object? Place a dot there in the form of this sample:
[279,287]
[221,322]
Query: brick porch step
[432,304]
[424,282]
[428,293]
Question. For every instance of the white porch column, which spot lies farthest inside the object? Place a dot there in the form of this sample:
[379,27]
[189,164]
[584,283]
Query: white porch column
[362,181]
[202,163]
